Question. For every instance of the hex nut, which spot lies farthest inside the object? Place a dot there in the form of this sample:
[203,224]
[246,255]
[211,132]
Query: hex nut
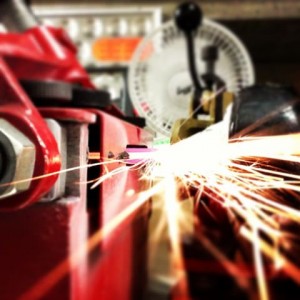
[18,156]
[7,163]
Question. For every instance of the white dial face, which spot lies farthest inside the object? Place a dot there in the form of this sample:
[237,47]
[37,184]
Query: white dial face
[179,88]
[159,82]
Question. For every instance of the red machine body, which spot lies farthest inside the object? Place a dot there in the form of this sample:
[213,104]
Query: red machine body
[47,52]
[40,237]
[44,54]
[18,109]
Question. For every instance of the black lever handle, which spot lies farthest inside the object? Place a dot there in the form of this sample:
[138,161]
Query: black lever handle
[16,15]
[188,17]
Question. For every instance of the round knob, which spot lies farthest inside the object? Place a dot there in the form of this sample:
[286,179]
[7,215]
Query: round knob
[188,16]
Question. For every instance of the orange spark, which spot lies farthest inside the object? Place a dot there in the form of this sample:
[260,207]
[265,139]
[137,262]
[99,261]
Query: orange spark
[94,156]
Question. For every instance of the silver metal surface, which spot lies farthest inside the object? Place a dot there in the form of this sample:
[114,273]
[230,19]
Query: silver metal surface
[24,155]
[72,141]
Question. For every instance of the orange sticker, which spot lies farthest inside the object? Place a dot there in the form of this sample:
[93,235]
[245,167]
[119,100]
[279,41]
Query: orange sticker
[116,49]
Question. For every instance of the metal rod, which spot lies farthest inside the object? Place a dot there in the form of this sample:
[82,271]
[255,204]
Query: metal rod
[192,62]
[16,15]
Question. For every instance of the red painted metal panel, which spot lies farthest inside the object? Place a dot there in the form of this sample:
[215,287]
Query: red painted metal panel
[120,273]
[37,239]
